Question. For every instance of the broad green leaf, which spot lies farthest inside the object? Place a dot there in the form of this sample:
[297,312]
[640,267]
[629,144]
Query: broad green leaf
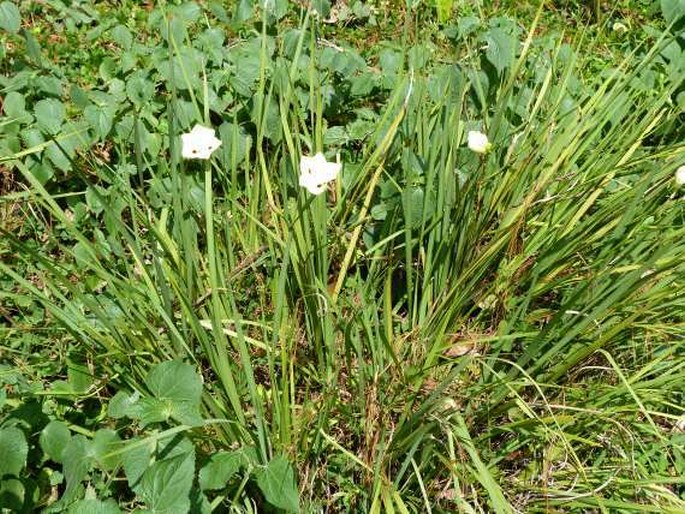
[212,43]
[77,460]
[235,146]
[12,495]
[32,47]
[276,9]
[49,115]
[10,19]
[335,136]
[136,459]
[413,206]
[362,84]
[199,504]
[322,7]
[175,380]
[187,413]
[277,483]
[189,12]
[53,439]
[244,11]
[390,62]
[165,485]
[101,118]
[42,171]
[104,444]
[78,375]
[172,445]
[122,36]
[13,451]
[108,69]
[50,85]
[501,48]
[153,410]
[672,10]
[14,105]
[94,506]
[57,157]
[139,89]
[345,62]
[220,468]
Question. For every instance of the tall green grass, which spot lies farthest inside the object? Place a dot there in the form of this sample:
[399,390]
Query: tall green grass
[442,331]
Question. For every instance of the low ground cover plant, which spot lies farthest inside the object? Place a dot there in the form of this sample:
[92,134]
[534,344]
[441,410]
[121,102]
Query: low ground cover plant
[247,266]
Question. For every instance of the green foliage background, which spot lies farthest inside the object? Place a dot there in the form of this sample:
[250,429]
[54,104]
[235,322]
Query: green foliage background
[441,331]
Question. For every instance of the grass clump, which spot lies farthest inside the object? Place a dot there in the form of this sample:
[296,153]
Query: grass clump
[446,326]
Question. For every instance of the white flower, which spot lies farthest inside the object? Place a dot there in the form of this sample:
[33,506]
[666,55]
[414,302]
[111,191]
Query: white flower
[478,142]
[619,28]
[680,424]
[680,176]
[316,172]
[199,143]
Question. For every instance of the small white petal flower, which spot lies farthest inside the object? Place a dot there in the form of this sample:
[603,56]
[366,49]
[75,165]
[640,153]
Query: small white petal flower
[680,176]
[680,424]
[316,172]
[199,143]
[478,142]
[619,28]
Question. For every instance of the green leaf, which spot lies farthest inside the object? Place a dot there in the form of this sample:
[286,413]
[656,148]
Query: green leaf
[276,9]
[43,172]
[77,460]
[105,442]
[122,36]
[165,486]
[108,69]
[335,136]
[413,206]
[220,468]
[136,459]
[362,84]
[124,405]
[390,62]
[277,482]
[10,19]
[175,380]
[14,105]
[323,7]
[672,10]
[236,144]
[79,376]
[501,49]
[94,506]
[139,89]
[153,410]
[13,451]
[244,11]
[199,504]
[32,46]
[53,439]
[12,495]
[49,115]
[57,157]
[189,12]
[101,118]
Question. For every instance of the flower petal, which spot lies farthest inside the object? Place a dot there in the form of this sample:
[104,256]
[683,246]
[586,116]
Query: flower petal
[680,176]
[316,172]
[478,142]
[199,143]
